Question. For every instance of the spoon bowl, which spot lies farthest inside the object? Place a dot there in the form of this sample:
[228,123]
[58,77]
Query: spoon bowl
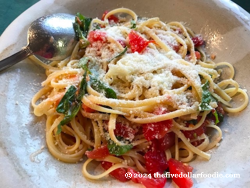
[51,37]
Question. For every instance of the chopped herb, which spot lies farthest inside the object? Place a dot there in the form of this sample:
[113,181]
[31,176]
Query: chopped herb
[96,26]
[221,116]
[101,88]
[80,17]
[214,112]
[84,23]
[83,43]
[118,150]
[120,54]
[90,149]
[67,100]
[78,32]
[71,102]
[83,63]
[133,24]
[206,98]
[193,121]
[96,84]
[195,135]
[81,28]
[83,88]
[80,37]
[69,115]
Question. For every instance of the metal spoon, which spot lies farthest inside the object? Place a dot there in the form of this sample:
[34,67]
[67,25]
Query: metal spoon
[51,37]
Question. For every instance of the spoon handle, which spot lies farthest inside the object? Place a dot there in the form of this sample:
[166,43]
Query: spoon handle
[15,58]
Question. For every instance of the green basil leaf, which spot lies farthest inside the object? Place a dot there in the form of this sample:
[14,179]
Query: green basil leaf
[80,16]
[83,63]
[81,28]
[59,128]
[120,54]
[110,93]
[85,23]
[101,88]
[96,26]
[71,103]
[71,113]
[214,112]
[83,43]
[78,31]
[65,121]
[83,88]
[68,98]
[133,24]
[206,98]
[118,150]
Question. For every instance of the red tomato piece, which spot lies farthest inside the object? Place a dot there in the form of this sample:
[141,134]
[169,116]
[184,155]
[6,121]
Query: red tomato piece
[176,48]
[106,165]
[118,174]
[159,129]
[153,182]
[155,161]
[122,42]
[96,35]
[220,109]
[137,43]
[188,168]
[220,112]
[124,131]
[156,130]
[88,109]
[167,141]
[98,153]
[197,132]
[178,168]
[134,175]
[146,181]
[178,31]
[197,40]
[198,55]
[197,143]
[110,18]
[164,143]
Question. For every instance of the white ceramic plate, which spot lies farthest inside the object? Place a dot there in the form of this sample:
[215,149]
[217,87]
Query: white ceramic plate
[224,25]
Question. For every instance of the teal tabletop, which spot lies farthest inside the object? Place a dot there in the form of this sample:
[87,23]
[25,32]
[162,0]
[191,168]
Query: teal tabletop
[10,9]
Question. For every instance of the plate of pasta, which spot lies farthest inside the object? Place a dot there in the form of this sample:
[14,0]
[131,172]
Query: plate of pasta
[151,96]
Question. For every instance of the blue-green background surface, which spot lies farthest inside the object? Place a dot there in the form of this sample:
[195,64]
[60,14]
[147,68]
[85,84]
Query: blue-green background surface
[10,9]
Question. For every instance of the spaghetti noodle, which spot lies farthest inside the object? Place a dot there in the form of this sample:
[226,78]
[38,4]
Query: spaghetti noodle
[136,94]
